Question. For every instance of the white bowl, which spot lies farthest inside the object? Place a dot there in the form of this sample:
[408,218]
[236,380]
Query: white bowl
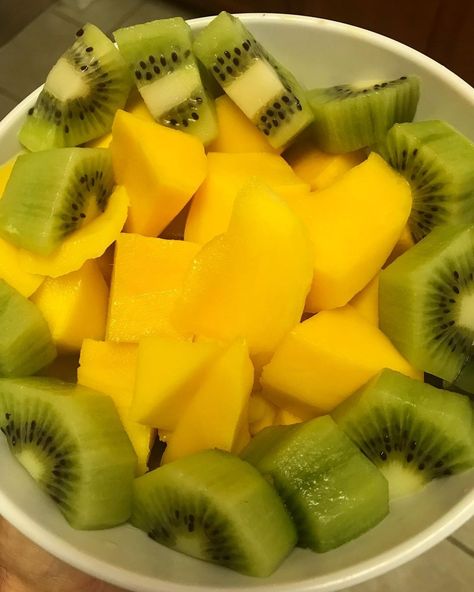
[320,53]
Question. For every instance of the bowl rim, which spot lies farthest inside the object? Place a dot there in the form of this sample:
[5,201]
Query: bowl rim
[367,569]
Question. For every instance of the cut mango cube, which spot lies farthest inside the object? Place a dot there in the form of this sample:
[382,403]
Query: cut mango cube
[325,359]
[110,368]
[261,413]
[216,414]
[404,243]
[211,208]
[74,306]
[168,375]
[147,279]
[285,417]
[366,302]
[160,167]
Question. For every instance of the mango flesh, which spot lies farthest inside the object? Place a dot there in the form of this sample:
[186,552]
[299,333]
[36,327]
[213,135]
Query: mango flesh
[211,208]
[217,412]
[147,278]
[74,306]
[261,413]
[285,417]
[160,167]
[168,374]
[366,302]
[251,281]
[110,368]
[325,359]
[353,226]
[404,243]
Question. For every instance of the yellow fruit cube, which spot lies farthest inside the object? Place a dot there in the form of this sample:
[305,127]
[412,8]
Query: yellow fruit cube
[261,413]
[211,208]
[251,281]
[146,282]
[366,302]
[325,359]
[110,368]
[168,374]
[74,306]
[404,243]
[285,417]
[217,412]
[160,167]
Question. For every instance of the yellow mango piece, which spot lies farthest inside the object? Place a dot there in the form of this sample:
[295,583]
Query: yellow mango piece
[160,167]
[261,414]
[251,281]
[146,282]
[74,306]
[110,368]
[106,263]
[89,242]
[168,374]
[366,302]
[353,226]
[404,243]
[325,359]
[214,416]
[319,168]
[5,172]
[236,132]
[211,208]
[285,417]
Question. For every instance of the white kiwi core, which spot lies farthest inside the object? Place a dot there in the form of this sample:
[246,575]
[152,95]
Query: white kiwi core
[466,312]
[32,464]
[65,83]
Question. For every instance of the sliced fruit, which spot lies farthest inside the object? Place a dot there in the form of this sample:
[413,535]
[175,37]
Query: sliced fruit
[412,431]
[427,301]
[332,491]
[251,281]
[161,169]
[26,345]
[215,507]
[350,116]
[163,66]
[261,87]
[323,360]
[72,443]
[74,306]
[83,90]
[147,279]
[404,243]
[5,172]
[285,417]
[106,263]
[366,302]
[261,413]
[211,207]
[110,368]
[211,420]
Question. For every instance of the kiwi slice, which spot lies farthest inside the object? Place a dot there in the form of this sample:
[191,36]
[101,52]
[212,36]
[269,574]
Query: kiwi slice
[437,161]
[160,57]
[52,193]
[265,91]
[412,431]
[215,507]
[426,301]
[26,344]
[332,491]
[349,116]
[82,92]
[70,439]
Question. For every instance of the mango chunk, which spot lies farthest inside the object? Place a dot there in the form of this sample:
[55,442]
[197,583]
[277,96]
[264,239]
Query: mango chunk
[74,306]
[319,168]
[325,359]
[211,208]
[236,132]
[261,413]
[146,282]
[168,374]
[285,417]
[404,243]
[160,167]
[215,416]
[251,281]
[110,368]
[353,225]
[89,242]
[366,302]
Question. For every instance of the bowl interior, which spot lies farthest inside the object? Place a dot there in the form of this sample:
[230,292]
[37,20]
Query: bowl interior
[320,53]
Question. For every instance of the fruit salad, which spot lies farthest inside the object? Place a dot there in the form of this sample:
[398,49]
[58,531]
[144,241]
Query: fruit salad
[235,312]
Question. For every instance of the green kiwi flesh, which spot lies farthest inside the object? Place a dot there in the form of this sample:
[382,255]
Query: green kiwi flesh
[333,492]
[348,117]
[26,344]
[82,92]
[412,431]
[52,193]
[70,439]
[437,161]
[261,87]
[161,61]
[215,507]
[426,301]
